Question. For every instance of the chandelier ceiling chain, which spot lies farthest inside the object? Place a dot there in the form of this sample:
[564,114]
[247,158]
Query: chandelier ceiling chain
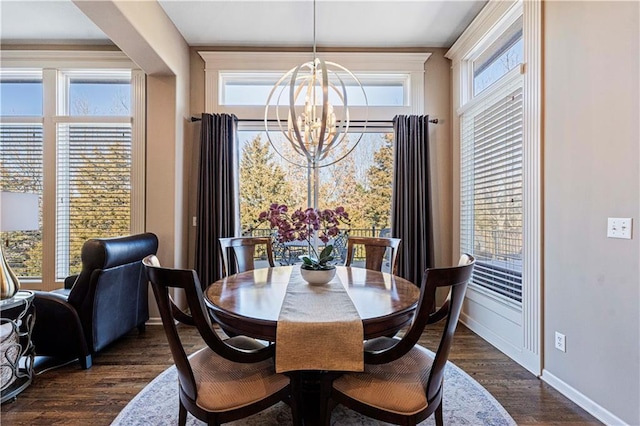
[315,132]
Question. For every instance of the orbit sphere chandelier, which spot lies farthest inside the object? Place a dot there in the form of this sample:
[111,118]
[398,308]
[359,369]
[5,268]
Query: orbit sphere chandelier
[309,103]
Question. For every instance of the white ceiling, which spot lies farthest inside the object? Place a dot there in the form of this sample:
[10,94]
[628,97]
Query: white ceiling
[277,23]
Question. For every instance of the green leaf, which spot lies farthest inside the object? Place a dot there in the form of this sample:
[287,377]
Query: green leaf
[307,260]
[326,252]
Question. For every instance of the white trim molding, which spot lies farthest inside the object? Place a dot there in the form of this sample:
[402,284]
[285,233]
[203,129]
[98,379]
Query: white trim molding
[105,59]
[138,151]
[532,261]
[590,406]
[492,21]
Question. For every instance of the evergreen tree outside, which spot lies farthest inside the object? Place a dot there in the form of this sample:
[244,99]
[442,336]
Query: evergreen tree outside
[21,171]
[380,176]
[262,181]
[360,182]
[99,188]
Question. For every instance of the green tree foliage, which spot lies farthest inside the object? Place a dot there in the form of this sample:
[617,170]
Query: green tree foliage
[262,181]
[380,177]
[360,182]
[102,183]
[22,172]
[97,203]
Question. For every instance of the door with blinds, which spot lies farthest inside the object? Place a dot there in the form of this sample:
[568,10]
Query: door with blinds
[491,210]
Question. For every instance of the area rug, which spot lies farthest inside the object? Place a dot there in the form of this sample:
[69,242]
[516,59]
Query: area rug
[466,402]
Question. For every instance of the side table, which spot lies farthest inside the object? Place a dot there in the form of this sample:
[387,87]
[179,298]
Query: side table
[17,317]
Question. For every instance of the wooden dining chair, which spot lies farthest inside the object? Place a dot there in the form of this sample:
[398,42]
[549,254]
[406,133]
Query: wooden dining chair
[226,380]
[402,382]
[375,250]
[243,251]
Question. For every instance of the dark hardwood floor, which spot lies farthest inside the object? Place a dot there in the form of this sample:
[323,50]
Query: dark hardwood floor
[71,396]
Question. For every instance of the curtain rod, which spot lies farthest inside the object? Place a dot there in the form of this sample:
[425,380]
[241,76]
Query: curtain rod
[249,120]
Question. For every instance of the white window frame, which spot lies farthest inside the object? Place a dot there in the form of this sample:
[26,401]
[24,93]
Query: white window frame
[54,64]
[494,19]
[399,79]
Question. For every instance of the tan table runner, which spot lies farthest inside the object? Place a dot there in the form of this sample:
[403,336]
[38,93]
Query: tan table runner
[318,328]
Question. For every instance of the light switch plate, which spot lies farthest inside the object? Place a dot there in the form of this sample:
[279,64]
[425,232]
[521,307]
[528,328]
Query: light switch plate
[619,227]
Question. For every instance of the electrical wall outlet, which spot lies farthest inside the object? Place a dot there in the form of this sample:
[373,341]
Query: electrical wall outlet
[560,342]
[619,227]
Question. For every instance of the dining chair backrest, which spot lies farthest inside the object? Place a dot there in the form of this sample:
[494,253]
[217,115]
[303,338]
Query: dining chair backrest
[242,251]
[375,250]
[367,392]
[163,279]
[159,279]
[457,279]
[204,376]
[339,243]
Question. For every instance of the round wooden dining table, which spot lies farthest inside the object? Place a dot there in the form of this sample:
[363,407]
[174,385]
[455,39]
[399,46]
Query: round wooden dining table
[249,303]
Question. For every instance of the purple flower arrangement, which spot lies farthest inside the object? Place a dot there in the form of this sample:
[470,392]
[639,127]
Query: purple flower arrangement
[302,225]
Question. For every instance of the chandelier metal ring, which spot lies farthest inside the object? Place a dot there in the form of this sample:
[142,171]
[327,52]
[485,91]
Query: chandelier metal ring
[302,102]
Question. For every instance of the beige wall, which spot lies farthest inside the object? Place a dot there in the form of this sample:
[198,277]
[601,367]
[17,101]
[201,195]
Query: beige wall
[192,143]
[438,105]
[591,172]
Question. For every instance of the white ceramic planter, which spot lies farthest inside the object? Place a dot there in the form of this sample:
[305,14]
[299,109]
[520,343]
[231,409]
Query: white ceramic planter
[317,277]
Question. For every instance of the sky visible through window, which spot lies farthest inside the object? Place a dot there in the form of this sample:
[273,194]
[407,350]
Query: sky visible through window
[20,99]
[98,99]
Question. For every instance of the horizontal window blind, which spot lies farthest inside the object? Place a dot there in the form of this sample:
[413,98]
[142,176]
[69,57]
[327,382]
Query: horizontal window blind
[491,190]
[93,190]
[21,157]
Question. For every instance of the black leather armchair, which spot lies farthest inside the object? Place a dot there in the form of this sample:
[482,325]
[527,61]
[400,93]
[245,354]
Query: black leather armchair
[104,302]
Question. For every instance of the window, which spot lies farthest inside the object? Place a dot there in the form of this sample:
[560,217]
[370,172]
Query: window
[95,95]
[21,153]
[254,88]
[491,180]
[94,141]
[240,82]
[500,180]
[21,95]
[361,182]
[491,189]
[94,167]
[502,56]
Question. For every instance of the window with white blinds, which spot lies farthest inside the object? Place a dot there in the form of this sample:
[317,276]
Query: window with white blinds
[75,135]
[94,188]
[491,188]
[21,171]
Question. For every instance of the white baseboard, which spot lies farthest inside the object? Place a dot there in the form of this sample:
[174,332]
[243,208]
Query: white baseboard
[154,321]
[499,343]
[585,403]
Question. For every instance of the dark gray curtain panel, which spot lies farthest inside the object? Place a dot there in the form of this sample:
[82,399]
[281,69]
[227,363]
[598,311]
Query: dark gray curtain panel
[217,196]
[411,199]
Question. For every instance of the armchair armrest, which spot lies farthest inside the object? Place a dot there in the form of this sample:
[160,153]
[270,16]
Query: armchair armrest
[57,330]
[70,281]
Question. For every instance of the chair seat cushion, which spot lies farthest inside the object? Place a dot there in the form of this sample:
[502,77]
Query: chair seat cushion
[225,385]
[397,387]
